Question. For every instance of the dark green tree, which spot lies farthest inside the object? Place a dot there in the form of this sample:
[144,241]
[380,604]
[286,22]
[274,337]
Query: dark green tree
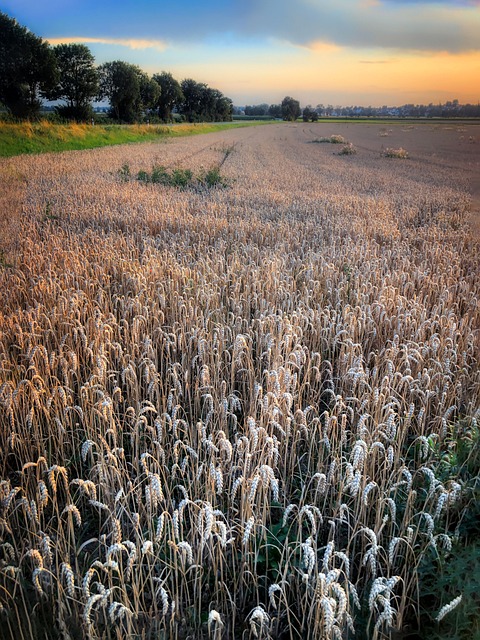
[223,109]
[129,90]
[28,68]
[78,83]
[213,107]
[275,110]
[290,109]
[307,114]
[257,110]
[193,103]
[150,92]
[204,104]
[171,95]
[208,104]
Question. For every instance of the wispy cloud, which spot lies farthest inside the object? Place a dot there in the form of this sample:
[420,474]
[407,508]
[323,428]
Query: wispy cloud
[131,43]
[452,3]
[392,25]
[321,46]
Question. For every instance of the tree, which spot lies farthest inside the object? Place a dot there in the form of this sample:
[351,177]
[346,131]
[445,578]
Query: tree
[256,110]
[171,95]
[290,109]
[27,68]
[309,114]
[129,90]
[78,83]
[150,91]
[193,99]
[201,103]
[215,107]
[223,108]
[275,110]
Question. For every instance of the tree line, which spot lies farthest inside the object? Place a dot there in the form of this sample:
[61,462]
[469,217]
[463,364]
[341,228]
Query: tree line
[449,109]
[31,70]
[289,109]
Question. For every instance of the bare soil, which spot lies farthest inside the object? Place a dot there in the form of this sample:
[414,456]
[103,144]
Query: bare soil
[453,149]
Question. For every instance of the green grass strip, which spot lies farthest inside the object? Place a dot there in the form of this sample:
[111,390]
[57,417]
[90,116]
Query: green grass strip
[44,136]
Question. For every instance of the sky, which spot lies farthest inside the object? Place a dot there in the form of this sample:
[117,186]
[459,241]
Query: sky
[340,52]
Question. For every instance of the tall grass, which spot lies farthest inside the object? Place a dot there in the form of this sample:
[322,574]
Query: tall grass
[46,136]
[224,413]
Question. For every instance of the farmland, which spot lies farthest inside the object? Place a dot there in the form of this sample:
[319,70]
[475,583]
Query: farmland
[243,407]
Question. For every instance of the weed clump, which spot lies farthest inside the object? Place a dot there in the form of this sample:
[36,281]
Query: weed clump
[4,263]
[212,178]
[395,153]
[180,178]
[348,150]
[334,139]
[124,172]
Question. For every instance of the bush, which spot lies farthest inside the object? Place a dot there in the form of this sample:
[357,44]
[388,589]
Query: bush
[79,114]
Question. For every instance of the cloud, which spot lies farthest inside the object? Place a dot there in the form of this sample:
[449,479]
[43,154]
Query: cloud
[408,25]
[131,43]
[360,24]
[452,3]
[321,46]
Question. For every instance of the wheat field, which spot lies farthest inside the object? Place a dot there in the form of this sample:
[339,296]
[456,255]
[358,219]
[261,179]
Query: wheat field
[236,411]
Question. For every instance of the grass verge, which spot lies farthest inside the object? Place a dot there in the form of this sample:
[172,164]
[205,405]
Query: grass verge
[44,136]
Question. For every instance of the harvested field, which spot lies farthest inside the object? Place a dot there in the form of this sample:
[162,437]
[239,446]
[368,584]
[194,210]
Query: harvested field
[243,408]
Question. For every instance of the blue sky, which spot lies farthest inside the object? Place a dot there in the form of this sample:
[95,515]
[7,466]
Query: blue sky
[336,51]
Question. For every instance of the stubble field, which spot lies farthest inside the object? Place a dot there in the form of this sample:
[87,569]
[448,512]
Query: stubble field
[245,407]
